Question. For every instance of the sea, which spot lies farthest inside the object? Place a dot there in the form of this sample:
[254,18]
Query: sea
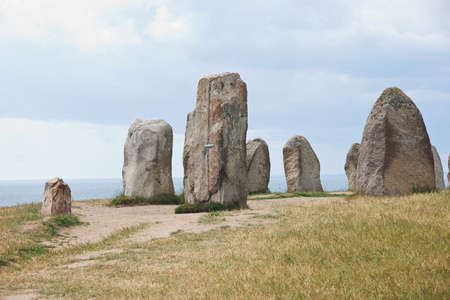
[15,192]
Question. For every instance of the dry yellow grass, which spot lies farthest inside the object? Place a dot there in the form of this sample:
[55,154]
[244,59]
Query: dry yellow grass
[361,248]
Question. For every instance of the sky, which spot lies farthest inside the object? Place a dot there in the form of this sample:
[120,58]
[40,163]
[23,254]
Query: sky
[74,74]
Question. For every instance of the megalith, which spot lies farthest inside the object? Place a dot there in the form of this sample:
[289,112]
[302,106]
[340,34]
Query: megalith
[147,165]
[57,198]
[214,155]
[350,166]
[258,166]
[438,170]
[301,165]
[395,156]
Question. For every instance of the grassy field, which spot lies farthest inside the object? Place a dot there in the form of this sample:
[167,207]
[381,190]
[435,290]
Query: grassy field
[358,248]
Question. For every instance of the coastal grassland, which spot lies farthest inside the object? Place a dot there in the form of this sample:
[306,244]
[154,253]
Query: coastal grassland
[356,248]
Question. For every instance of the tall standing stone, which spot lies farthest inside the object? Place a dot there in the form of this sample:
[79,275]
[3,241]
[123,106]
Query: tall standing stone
[258,166]
[350,166]
[438,170]
[395,155]
[215,142]
[301,165]
[448,174]
[147,166]
[57,198]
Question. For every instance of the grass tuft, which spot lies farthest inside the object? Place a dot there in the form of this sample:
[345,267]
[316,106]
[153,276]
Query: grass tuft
[212,217]
[56,222]
[164,199]
[205,207]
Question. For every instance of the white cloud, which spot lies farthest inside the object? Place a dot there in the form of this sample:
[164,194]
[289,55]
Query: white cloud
[166,27]
[401,23]
[80,22]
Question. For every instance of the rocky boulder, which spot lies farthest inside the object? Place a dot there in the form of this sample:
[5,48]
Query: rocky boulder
[214,156]
[438,170]
[350,166]
[395,156]
[301,165]
[57,198]
[147,166]
[258,166]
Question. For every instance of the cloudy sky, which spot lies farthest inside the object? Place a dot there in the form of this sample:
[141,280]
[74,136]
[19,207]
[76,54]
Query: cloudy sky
[74,74]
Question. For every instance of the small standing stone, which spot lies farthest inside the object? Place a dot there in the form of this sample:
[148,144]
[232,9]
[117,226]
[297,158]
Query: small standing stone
[395,156]
[301,165]
[350,165]
[438,170]
[57,198]
[258,166]
[147,166]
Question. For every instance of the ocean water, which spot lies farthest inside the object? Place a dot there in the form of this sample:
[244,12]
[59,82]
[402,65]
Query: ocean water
[14,192]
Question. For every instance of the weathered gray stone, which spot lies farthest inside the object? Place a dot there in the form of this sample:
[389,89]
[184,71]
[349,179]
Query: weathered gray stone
[350,166]
[215,144]
[258,166]
[57,198]
[301,165]
[438,170]
[395,155]
[147,166]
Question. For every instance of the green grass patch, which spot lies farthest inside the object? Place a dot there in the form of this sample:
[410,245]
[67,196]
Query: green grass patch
[296,194]
[205,207]
[164,199]
[424,190]
[266,216]
[261,192]
[52,226]
[212,217]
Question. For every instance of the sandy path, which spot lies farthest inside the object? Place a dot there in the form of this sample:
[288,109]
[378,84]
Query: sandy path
[103,220]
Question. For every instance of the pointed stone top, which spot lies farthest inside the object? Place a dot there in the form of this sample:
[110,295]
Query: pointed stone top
[395,98]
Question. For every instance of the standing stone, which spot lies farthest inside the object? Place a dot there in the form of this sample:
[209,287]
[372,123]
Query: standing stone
[57,198]
[301,165]
[438,170]
[147,166]
[350,166]
[395,155]
[258,166]
[215,144]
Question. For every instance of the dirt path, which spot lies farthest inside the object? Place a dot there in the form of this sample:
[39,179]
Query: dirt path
[102,220]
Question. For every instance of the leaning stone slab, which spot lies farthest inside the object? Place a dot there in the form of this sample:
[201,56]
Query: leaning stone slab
[147,166]
[258,166]
[214,156]
[57,198]
[438,170]
[350,166]
[395,156]
[301,165]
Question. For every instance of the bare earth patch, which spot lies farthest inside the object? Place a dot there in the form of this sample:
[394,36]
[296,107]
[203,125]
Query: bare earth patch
[102,221]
